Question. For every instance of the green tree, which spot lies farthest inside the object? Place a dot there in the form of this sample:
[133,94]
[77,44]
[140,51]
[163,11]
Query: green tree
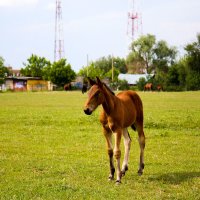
[1,62]
[122,85]
[120,65]
[192,61]
[149,55]
[103,68]
[172,79]
[141,83]
[164,56]
[46,71]
[3,71]
[182,73]
[135,63]
[35,66]
[91,71]
[115,74]
[143,49]
[193,55]
[105,64]
[61,73]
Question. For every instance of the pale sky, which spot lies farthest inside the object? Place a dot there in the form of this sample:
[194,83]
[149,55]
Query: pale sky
[94,27]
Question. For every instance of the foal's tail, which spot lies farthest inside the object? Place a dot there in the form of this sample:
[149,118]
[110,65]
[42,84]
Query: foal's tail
[139,111]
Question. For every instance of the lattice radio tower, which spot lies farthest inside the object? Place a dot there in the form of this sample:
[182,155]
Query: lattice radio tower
[134,26]
[59,52]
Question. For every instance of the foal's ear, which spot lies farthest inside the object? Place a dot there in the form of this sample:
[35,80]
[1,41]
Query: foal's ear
[99,83]
[91,82]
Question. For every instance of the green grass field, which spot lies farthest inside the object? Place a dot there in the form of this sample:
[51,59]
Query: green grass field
[49,149]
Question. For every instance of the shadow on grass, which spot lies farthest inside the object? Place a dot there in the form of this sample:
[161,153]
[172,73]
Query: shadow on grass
[175,178]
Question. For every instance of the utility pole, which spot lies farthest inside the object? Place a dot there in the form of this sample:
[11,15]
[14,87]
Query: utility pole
[87,64]
[112,69]
[59,52]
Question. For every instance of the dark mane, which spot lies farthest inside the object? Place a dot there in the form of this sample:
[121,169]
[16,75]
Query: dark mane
[109,89]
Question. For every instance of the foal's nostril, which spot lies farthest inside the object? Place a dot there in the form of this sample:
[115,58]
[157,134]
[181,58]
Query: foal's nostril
[87,111]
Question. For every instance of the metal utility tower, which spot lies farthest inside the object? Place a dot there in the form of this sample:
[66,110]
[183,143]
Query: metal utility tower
[59,35]
[134,27]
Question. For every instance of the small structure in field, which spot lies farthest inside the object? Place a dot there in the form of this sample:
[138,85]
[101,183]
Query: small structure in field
[27,84]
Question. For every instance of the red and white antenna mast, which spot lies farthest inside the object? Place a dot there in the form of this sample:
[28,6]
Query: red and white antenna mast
[134,27]
[59,52]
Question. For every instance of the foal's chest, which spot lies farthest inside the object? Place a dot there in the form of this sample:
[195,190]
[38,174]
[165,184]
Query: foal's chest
[113,124]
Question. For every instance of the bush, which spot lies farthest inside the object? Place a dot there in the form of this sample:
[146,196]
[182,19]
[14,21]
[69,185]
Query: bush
[123,85]
[134,87]
[141,83]
[193,81]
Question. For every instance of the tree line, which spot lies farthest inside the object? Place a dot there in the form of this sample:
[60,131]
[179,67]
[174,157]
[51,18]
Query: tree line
[161,60]
[146,55]
[59,72]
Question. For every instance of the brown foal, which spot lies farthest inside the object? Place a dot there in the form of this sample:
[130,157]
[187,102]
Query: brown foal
[119,112]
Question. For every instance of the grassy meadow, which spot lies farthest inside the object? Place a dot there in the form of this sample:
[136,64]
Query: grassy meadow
[49,149]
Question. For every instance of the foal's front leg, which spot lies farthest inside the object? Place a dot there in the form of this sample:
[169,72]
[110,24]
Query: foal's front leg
[117,153]
[108,136]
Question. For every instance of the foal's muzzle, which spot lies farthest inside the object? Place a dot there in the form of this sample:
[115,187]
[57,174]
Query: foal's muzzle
[88,111]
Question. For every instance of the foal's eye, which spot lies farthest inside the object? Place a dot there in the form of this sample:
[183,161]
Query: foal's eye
[97,94]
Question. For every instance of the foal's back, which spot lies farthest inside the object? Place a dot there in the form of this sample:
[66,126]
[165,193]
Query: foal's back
[133,104]
[130,96]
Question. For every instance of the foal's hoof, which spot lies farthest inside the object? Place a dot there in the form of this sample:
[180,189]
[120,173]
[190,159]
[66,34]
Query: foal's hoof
[140,172]
[123,172]
[110,178]
[118,182]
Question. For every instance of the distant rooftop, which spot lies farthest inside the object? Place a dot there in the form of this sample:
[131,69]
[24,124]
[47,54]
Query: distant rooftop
[24,78]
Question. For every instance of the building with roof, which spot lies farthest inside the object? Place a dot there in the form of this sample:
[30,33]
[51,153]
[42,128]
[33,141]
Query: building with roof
[27,84]
[14,81]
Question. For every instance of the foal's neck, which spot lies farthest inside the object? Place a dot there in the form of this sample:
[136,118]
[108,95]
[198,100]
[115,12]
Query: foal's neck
[109,102]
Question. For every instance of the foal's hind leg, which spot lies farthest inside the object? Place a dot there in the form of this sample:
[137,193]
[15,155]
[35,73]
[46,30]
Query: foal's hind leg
[127,145]
[108,136]
[141,139]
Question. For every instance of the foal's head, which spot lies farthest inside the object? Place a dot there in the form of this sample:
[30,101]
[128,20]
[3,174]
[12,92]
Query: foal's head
[96,95]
